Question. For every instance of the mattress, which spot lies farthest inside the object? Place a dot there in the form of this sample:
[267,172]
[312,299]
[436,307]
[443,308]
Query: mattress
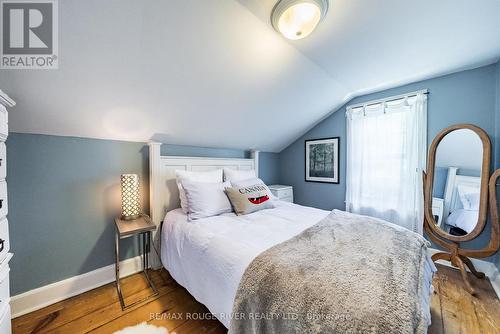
[209,256]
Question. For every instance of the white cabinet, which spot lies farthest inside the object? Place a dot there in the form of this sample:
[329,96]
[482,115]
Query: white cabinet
[5,256]
[437,210]
[283,193]
[4,240]
[3,161]
[4,286]
[4,122]
[5,326]
[4,207]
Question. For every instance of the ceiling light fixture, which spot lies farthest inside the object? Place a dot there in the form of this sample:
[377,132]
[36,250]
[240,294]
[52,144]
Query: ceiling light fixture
[296,19]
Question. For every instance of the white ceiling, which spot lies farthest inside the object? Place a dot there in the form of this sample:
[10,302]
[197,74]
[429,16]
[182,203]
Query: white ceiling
[214,72]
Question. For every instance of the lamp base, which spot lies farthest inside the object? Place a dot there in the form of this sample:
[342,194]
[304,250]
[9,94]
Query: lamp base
[134,217]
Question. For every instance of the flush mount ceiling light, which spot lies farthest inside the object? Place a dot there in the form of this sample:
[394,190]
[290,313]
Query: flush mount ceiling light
[296,19]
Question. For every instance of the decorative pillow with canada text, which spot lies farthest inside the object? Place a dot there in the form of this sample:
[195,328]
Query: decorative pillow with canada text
[250,198]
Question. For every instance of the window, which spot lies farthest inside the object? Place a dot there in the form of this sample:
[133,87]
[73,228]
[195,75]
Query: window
[386,153]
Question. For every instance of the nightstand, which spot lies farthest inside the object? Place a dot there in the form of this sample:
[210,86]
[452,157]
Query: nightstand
[283,193]
[141,227]
[438,210]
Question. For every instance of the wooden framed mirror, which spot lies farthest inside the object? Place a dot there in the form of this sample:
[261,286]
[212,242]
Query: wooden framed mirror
[457,185]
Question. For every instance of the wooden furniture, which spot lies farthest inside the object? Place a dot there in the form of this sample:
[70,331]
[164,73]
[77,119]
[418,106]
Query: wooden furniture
[141,227]
[458,256]
[5,256]
[283,193]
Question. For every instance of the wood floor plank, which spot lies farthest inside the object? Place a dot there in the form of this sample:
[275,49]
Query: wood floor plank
[487,307]
[192,315]
[195,315]
[464,313]
[458,310]
[164,304]
[200,327]
[436,326]
[69,310]
[98,311]
[109,314]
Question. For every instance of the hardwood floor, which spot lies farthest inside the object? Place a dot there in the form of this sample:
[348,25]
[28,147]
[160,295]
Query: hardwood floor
[454,310]
[98,311]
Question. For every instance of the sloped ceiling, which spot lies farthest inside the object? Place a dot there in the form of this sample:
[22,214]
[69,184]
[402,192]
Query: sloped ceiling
[214,72]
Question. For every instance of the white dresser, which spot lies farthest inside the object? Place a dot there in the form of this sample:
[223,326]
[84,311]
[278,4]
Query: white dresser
[284,193]
[5,256]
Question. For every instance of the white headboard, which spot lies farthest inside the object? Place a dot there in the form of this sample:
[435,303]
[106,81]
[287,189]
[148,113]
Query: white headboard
[451,198]
[164,194]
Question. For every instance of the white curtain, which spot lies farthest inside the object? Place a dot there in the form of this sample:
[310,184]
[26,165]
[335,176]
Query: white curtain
[386,154]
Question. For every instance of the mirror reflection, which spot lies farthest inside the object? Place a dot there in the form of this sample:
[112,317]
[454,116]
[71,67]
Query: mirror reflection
[457,182]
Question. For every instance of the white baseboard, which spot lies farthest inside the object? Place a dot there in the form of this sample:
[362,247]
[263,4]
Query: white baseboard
[489,268]
[49,294]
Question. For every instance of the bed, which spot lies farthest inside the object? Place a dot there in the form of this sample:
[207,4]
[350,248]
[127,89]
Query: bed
[455,215]
[209,257]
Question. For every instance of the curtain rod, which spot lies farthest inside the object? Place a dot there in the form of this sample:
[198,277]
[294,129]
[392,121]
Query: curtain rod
[387,99]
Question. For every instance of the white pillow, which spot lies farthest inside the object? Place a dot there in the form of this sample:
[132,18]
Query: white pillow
[206,199]
[473,199]
[232,175]
[464,219]
[469,196]
[212,176]
[248,199]
[250,182]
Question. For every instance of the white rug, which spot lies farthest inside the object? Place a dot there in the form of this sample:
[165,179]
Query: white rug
[143,328]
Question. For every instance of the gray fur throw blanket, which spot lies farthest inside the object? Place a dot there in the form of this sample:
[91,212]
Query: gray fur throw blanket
[346,274]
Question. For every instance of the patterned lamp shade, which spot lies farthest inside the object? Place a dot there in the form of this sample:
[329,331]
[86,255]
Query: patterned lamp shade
[131,203]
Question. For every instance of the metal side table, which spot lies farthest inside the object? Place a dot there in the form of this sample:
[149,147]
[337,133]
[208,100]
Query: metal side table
[142,226]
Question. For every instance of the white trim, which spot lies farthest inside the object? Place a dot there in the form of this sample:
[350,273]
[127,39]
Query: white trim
[164,194]
[386,99]
[448,192]
[254,154]
[489,268]
[6,100]
[49,294]
[155,198]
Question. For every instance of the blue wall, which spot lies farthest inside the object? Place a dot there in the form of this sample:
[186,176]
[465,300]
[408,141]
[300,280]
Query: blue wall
[269,167]
[63,197]
[464,97]
[195,151]
[292,167]
[440,177]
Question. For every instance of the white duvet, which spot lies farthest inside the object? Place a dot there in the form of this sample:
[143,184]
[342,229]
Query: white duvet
[209,256]
[464,219]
